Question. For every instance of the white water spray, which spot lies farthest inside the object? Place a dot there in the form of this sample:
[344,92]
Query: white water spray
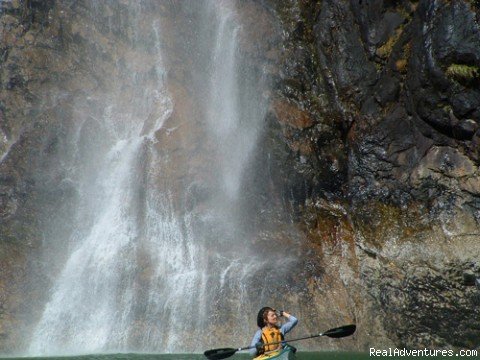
[91,305]
[142,269]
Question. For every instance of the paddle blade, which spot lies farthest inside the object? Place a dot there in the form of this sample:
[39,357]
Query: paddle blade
[217,354]
[341,331]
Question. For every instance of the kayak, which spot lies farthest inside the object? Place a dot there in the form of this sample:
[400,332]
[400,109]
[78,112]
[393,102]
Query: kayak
[287,353]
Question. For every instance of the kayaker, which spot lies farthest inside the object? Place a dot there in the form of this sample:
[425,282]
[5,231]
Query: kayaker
[270,332]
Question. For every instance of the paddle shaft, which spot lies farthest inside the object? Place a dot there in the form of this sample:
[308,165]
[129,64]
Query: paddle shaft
[284,341]
[342,331]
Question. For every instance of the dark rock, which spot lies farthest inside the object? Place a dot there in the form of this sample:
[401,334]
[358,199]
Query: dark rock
[465,129]
[409,131]
[344,53]
[370,106]
[469,278]
[464,103]
[387,90]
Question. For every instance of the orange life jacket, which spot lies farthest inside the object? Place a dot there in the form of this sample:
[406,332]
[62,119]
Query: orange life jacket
[271,335]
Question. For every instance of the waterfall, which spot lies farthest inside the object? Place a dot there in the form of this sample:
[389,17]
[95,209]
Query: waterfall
[150,258]
[92,301]
[233,109]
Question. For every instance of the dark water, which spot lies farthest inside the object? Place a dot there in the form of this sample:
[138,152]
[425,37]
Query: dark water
[239,356]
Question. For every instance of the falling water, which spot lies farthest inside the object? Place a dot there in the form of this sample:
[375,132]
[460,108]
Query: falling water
[234,110]
[150,259]
[91,303]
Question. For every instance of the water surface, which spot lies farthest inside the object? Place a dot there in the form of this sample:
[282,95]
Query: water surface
[326,355]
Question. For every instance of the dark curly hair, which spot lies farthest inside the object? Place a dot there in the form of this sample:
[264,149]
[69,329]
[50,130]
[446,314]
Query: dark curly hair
[262,316]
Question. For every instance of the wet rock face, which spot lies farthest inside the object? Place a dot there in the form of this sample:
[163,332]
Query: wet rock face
[371,143]
[47,51]
[392,93]
[23,146]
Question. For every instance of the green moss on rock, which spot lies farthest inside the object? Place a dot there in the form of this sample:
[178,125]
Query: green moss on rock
[462,71]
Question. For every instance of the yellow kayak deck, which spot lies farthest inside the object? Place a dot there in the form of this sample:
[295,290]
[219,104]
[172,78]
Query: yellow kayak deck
[286,353]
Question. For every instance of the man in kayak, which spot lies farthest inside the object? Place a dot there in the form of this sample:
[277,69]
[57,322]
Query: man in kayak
[270,332]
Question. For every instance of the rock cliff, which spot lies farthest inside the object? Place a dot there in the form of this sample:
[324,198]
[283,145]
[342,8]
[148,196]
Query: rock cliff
[371,144]
[377,103]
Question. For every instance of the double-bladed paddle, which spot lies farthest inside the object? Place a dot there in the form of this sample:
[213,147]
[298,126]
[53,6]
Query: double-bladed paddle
[339,332]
